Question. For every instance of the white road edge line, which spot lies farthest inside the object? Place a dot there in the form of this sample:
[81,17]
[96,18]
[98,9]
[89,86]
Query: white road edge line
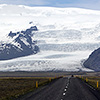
[90,86]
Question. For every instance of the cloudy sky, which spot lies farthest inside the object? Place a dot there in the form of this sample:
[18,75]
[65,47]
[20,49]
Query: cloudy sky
[88,4]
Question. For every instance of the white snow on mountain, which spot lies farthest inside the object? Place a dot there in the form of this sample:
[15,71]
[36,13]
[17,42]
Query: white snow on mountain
[65,36]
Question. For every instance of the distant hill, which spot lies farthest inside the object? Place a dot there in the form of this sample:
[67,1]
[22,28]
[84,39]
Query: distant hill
[93,62]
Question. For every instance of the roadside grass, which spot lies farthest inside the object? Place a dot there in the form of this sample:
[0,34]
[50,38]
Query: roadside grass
[13,87]
[94,81]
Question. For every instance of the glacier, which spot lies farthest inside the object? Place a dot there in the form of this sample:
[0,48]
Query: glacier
[65,36]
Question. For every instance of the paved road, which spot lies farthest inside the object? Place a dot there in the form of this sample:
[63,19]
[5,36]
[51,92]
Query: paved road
[65,89]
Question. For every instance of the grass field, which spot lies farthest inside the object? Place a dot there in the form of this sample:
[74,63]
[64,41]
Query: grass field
[13,87]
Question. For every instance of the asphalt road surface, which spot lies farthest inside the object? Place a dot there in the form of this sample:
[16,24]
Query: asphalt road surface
[64,89]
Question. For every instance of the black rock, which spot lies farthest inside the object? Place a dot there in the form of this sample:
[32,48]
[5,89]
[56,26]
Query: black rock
[12,34]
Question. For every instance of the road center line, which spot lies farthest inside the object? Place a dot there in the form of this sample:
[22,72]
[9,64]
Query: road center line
[66,86]
[65,89]
[64,94]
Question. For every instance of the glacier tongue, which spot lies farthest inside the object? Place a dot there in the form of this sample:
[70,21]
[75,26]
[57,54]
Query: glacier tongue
[47,61]
[65,36]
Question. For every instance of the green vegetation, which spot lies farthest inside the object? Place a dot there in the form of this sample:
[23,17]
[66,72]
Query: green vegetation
[14,87]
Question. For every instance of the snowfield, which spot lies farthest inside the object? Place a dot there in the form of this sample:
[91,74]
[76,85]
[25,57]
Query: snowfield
[47,61]
[65,36]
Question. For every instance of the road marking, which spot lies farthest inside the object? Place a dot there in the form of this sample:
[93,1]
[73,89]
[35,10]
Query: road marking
[65,89]
[64,94]
[90,86]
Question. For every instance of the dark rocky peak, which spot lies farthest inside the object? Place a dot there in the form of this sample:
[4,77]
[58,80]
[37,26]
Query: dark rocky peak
[93,62]
[34,28]
[12,34]
[22,45]
[26,32]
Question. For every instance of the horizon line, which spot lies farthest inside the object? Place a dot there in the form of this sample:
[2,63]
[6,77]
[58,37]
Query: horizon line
[50,6]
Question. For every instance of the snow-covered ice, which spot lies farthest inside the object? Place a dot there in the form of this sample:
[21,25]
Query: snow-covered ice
[66,36]
[47,61]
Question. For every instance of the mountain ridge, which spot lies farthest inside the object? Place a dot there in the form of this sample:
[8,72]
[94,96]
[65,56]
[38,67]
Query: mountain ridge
[93,61]
[24,45]
[65,36]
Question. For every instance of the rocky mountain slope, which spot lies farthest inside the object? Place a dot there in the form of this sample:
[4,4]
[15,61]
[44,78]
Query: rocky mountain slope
[93,62]
[21,45]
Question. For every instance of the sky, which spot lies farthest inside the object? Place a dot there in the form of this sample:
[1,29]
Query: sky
[88,4]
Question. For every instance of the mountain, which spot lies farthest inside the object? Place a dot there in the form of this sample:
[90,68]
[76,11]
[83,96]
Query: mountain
[69,24]
[93,62]
[21,45]
[65,36]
